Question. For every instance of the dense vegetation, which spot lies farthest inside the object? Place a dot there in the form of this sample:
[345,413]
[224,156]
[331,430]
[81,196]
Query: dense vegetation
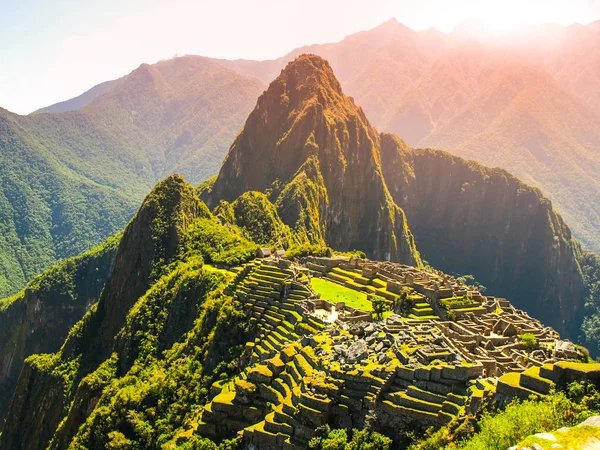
[340,439]
[135,371]
[69,180]
[498,429]
[258,219]
[590,265]
[49,210]
[149,350]
[38,319]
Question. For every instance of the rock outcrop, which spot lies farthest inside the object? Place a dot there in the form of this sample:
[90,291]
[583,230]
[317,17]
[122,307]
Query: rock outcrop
[314,152]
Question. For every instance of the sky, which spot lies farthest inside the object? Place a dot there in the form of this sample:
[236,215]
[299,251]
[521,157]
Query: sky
[54,50]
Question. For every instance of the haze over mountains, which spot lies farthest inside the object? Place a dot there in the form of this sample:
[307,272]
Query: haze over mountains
[71,179]
[529,104]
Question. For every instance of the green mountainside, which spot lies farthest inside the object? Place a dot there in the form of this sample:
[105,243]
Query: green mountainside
[69,180]
[38,319]
[194,340]
[188,335]
[314,152]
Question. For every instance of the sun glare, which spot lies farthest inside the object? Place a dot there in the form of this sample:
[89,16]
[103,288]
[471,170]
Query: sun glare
[512,15]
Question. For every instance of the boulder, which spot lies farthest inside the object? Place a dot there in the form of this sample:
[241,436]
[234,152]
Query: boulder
[357,351]
[546,436]
[593,421]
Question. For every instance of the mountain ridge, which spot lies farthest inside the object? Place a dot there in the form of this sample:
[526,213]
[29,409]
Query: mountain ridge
[71,179]
[305,132]
[489,219]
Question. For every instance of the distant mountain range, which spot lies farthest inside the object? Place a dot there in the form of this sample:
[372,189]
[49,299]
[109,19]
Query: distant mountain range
[531,106]
[70,179]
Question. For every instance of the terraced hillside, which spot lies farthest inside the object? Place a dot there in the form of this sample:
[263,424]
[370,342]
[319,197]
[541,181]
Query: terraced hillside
[316,360]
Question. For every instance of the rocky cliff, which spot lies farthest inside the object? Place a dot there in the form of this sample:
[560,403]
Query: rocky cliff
[470,219]
[314,152]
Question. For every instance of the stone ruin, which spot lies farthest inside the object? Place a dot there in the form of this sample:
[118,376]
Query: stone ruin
[318,361]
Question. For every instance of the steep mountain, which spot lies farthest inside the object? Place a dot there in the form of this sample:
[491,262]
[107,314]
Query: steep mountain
[524,122]
[467,218]
[49,209]
[316,154]
[528,104]
[160,254]
[181,354]
[69,180]
[194,341]
[38,319]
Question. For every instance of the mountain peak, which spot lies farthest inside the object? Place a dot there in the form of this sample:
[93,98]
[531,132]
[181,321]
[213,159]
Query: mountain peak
[310,148]
[278,137]
[306,77]
[308,65]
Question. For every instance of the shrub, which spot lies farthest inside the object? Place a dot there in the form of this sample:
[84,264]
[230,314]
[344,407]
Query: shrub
[501,429]
[529,341]
[379,306]
[338,439]
[306,249]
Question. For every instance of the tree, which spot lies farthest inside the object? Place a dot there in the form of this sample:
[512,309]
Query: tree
[403,304]
[379,306]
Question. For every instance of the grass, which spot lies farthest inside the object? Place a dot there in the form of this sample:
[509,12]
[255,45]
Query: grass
[336,293]
[512,379]
[581,367]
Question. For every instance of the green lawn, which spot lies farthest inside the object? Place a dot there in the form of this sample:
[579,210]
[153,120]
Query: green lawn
[337,293]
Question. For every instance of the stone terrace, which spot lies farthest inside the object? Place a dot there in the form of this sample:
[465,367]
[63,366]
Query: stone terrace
[439,358]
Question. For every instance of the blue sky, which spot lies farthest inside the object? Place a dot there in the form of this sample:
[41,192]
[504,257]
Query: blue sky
[51,51]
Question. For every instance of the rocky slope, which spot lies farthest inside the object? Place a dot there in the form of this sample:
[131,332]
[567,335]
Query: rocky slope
[313,150]
[471,219]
